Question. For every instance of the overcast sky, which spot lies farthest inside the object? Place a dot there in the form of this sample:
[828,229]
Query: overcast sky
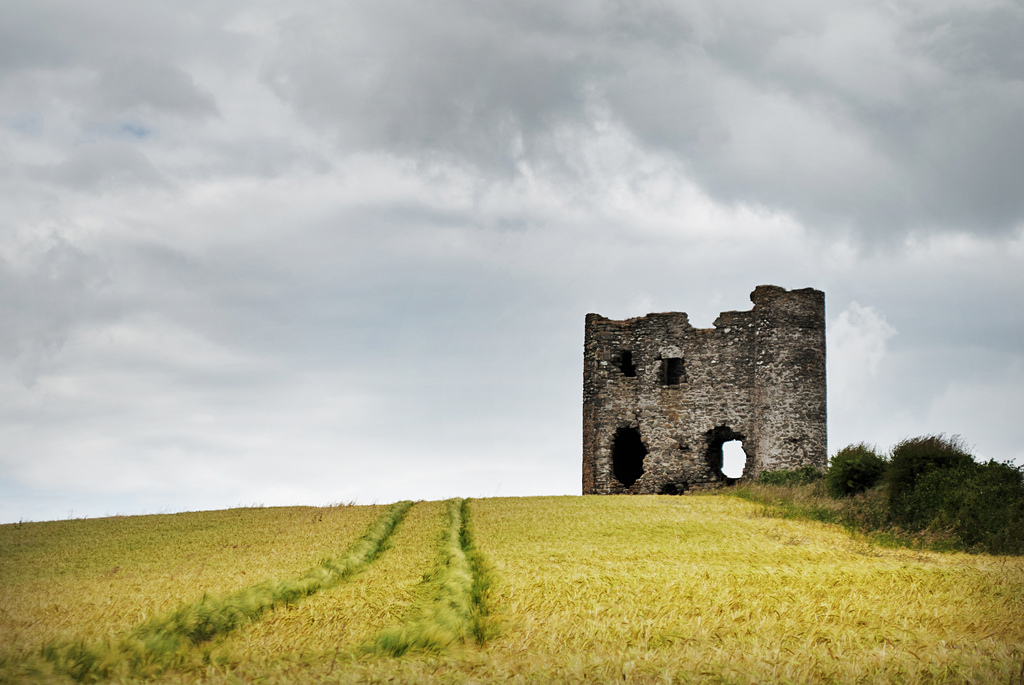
[309,252]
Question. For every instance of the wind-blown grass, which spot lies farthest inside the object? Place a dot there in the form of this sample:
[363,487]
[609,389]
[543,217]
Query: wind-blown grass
[157,643]
[863,513]
[702,589]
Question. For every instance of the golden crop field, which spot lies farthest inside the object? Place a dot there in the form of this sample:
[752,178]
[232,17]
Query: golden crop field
[66,580]
[582,589]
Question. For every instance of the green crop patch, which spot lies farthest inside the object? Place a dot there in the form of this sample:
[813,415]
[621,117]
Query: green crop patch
[455,609]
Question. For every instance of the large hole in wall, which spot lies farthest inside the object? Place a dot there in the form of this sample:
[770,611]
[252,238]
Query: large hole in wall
[725,453]
[734,459]
[628,454]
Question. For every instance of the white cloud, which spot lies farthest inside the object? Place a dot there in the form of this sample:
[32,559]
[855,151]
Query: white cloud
[857,342]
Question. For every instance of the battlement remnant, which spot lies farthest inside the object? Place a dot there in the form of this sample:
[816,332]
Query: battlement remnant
[661,397]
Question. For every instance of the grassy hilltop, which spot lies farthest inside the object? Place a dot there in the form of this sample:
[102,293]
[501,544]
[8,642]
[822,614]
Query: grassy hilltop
[540,589]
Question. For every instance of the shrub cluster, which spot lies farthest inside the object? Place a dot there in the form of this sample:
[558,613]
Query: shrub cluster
[931,488]
[935,484]
[853,470]
[914,458]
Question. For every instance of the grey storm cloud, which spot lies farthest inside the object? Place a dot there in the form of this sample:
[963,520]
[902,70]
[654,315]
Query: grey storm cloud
[866,115]
[129,84]
[103,165]
[49,291]
[108,60]
[58,34]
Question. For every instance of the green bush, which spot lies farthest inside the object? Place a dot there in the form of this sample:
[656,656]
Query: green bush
[914,458]
[854,469]
[981,504]
[937,496]
[804,475]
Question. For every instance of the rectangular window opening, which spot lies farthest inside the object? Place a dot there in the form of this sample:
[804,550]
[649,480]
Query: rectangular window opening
[623,361]
[672,371]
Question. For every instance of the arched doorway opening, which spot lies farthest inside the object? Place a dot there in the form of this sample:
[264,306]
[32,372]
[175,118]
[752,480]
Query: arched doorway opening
[734,459]
[628,454]
[726,455]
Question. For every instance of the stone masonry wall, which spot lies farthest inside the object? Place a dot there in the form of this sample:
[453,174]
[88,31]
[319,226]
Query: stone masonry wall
[660,397]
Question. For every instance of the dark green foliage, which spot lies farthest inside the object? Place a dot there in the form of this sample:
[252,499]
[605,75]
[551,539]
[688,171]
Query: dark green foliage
[982,505]
[854,469]
[801,476]
[931,494]
[913,458]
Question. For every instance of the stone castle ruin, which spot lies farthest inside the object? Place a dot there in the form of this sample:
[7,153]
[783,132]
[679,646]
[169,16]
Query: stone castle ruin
[661,397]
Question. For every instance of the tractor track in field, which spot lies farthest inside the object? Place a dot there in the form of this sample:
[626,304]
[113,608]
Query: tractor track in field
[457,608]
[160,643]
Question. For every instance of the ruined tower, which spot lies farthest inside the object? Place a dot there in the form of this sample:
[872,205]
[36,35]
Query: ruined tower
[661,397]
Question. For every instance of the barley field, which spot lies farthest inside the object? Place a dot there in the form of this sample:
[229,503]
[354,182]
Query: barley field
[700,589]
